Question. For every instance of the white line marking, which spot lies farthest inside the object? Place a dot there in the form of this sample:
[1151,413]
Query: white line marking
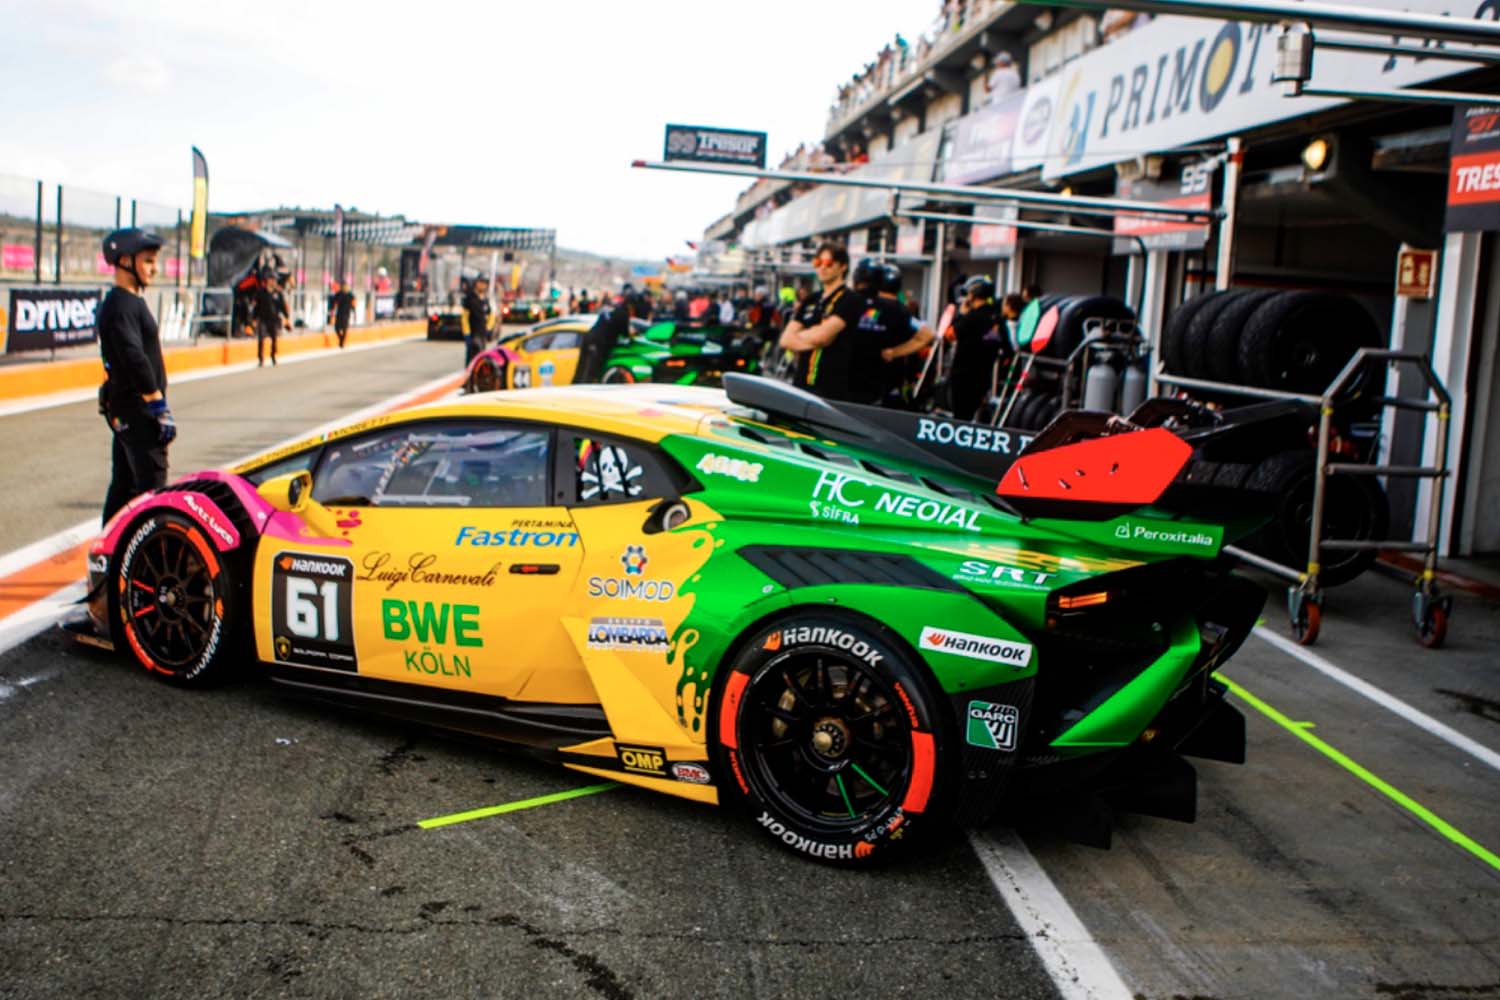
[1078,966]
[1389,702]
[37,616]
[33,403]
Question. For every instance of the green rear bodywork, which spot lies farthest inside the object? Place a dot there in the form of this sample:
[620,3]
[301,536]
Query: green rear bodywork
[776,488]
[701,356]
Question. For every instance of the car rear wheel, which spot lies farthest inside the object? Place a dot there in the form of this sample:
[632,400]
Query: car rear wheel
[832,739]
[617,376]
[176,600]
[486,377]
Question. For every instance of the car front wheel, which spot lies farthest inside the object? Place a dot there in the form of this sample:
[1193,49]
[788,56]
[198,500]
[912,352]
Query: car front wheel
[831,736]
[176,600]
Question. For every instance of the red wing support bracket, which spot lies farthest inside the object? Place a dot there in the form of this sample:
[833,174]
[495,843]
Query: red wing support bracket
[1098,479]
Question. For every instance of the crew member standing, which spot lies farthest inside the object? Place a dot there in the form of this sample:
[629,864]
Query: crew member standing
[340,306]
[609,329]
[477,309]
[825,339]
[134,396]
[980,342]
[270,316]
[905,334]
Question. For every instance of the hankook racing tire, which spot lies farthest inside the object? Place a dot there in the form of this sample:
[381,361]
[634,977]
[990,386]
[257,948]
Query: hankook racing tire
[1298,341]
[486,377]
[1219,354]
[1195,339]
[1354,508]
[1172,357]
[617,375]
[833,739]
[177,604]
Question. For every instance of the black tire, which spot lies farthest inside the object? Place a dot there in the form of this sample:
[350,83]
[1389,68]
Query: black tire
[1195,339]
[818,698]
[1075,312]
[486,377]
[1355,508]
[1220,355]
[178,605]
[1172,335]
[617,375]
[1046,412]
[1026,418]
[1017,408]
[1298,341]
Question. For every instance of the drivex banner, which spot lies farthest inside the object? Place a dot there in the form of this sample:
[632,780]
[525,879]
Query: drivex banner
[42,319]
[1181,80]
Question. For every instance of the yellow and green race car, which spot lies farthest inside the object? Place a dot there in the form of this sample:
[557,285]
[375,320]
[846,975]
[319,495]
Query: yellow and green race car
[754,598]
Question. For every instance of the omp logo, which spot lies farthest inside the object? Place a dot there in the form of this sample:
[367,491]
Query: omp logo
[319,566]
[642,760]
[992,726]
[976,647]
[806,845]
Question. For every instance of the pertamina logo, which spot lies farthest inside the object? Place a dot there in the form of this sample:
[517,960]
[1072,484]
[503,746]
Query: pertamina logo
[976,647]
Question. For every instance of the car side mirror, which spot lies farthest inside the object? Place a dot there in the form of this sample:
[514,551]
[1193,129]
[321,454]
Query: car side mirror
[290,493]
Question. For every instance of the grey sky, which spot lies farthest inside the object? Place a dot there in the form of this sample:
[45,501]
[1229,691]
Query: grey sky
[503,113]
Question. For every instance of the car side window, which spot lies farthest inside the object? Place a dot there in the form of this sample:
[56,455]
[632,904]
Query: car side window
[564,340]
[539,342]
[439,464]
[593,469]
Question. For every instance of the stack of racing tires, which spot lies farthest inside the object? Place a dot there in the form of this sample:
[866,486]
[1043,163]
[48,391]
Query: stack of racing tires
[1292,341]
[1054,330]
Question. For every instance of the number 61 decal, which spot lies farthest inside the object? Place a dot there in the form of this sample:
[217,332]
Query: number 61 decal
[312,620]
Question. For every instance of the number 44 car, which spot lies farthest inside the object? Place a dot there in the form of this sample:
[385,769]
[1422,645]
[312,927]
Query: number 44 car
[748,597]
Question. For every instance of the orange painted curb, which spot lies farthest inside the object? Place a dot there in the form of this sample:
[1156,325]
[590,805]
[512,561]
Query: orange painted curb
[44,378]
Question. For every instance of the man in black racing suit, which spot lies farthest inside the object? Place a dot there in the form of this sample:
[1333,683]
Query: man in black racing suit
[609,329]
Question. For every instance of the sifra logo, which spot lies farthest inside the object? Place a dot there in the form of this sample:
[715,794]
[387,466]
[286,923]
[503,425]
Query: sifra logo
[634,560]
[993,726]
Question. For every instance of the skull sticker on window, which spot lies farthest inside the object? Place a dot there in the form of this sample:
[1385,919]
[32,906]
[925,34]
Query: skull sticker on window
[606,472]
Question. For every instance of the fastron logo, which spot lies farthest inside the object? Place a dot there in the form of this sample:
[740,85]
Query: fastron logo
[977,647]
[992,726]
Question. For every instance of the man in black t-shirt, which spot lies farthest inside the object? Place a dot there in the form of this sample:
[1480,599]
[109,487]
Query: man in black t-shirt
[612,326]
[477,310]
[828,335]
[340,306]
[980,343]
[271,315]
[134,396]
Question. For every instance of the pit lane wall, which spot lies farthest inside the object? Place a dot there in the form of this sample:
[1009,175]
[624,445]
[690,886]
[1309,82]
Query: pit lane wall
[45,378]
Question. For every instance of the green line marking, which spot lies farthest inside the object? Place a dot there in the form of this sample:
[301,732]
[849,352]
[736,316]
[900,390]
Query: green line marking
[510,807]
[839,779]
[1432,819]
[868,780]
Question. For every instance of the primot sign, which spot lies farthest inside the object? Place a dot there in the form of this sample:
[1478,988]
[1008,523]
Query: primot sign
[1180,80]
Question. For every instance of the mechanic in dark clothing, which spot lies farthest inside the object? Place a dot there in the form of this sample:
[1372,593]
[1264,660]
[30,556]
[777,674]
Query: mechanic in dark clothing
[883,325]
[271,315]
[477,309]
[830,338]
[907,336]
[612,325]
[981,341]
[134,395]
[340,306]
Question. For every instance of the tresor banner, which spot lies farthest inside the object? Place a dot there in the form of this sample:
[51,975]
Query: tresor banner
[41,319]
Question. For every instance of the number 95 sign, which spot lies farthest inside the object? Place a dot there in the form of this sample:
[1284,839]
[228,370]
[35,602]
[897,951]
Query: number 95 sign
[312,621]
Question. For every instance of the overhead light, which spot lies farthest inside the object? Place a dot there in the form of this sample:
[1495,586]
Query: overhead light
[1317,154]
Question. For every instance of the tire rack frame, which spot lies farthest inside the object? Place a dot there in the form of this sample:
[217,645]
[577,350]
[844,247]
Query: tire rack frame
[1430,608]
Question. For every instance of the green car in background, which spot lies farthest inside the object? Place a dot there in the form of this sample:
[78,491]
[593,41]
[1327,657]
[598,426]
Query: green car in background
[547,354]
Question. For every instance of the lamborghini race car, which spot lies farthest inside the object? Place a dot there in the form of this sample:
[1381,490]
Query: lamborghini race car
[547,354]
[756,598]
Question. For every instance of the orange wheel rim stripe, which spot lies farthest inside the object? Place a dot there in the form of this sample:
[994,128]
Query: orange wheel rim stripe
[734,691]
[924,759]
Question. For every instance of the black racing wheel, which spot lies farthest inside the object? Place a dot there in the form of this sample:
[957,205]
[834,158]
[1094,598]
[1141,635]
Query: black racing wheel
[833,739]
[617,375]
[486,377]
[176,600]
